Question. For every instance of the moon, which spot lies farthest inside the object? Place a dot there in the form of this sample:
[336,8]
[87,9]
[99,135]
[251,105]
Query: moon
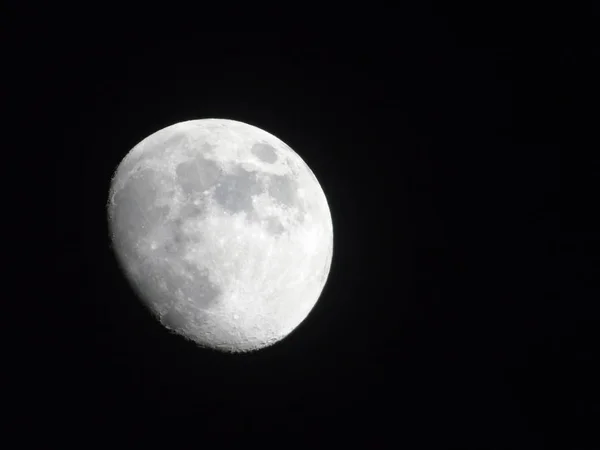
[223,231]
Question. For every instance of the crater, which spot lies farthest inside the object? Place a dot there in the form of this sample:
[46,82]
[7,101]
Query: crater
[264,152]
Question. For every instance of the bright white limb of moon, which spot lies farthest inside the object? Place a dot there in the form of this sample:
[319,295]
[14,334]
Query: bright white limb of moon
[223,230]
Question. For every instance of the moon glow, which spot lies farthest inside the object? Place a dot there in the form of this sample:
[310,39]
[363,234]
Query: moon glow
[223,231]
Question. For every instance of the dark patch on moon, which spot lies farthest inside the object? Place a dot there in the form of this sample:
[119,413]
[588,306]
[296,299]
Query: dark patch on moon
[274,225]
[157,145]
[135,212]
[203,293]
[148,285]
[190,210]
[176,243]
[264,152]
[171,140]
[207,148]
[197,175]
[174,140]
[174,319]
[178,239]
[234,191]
[283,189]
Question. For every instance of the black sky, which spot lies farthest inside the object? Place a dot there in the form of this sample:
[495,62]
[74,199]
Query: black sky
[460,311]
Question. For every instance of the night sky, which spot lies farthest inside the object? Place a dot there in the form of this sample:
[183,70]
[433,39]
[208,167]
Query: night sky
[454,148]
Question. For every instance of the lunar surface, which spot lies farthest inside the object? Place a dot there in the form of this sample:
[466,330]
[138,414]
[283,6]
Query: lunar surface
[223,231]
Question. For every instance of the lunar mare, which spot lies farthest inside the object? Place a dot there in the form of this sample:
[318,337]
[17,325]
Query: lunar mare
[223,230]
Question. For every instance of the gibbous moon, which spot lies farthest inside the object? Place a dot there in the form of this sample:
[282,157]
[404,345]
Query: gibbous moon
[223,231]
